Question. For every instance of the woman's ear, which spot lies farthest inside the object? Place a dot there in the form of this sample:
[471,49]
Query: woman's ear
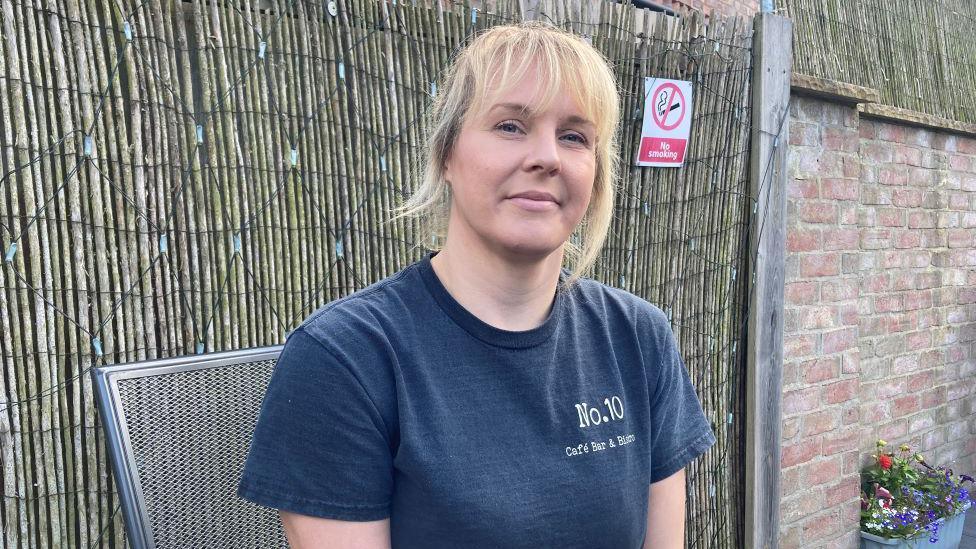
[446,170]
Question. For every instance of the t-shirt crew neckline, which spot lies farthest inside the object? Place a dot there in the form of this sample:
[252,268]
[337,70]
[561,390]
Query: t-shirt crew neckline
[481,329]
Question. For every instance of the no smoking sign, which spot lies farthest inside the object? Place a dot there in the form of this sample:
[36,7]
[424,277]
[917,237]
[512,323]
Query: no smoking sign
[667,122]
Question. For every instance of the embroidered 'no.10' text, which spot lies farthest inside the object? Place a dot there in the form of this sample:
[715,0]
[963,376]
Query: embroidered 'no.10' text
[592,415]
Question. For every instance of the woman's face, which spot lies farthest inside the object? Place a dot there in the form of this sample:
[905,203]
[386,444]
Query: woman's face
[520,183]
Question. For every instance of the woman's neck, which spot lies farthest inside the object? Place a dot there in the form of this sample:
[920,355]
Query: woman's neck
[506,295]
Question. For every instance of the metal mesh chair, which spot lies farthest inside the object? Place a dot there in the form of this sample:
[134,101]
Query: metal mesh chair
[179,430]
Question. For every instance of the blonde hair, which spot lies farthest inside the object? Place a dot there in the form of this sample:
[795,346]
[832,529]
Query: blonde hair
[503,54]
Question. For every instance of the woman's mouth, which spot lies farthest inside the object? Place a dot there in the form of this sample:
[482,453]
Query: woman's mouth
[535,201]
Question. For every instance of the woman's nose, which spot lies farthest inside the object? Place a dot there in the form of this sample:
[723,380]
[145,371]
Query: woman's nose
[543,153]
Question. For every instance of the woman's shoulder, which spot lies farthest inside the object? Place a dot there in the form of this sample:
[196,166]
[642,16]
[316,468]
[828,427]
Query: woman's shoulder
[616,302]
[370,310]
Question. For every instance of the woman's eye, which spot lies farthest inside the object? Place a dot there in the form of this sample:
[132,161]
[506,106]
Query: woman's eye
[508,127]
[579,138]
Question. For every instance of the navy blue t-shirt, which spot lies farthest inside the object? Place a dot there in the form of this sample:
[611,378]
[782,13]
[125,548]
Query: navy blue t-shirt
[397,402]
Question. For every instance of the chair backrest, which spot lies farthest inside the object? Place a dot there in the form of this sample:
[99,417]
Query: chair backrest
[179,430]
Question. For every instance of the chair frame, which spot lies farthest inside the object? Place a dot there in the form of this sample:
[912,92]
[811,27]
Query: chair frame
[106,382]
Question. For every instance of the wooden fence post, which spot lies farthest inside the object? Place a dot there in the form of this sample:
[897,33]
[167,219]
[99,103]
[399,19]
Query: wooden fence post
[530,9]
[772,66]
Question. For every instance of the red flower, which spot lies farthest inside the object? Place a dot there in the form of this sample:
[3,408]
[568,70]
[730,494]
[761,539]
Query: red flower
[885,461]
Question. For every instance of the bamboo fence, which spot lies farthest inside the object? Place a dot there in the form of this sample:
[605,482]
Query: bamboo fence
[918,54]
[186,177]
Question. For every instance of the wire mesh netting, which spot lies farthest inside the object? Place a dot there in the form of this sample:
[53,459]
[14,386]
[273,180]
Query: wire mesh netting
[189,432]
[186,177]
[918,55]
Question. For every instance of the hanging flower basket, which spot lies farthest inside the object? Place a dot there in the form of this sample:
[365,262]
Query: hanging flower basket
[949,535]
[906,503]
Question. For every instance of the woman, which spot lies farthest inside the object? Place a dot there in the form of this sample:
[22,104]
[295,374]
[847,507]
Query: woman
[484,396]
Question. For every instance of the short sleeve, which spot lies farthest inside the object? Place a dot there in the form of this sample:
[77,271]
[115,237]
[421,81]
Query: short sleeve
[680,431]
[320,447]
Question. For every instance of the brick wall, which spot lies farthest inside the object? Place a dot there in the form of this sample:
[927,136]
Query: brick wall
[880,312]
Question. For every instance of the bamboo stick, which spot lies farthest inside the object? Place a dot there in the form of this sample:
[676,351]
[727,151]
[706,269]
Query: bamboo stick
[56,108]
[168,138]
[336,183]
[118,181]
[317,173]
[179,223]
[213,254]
[345,175]
[279,157]
[30,253]
[137,223]
[15,466]
[277,167]
[359,123]
[16,513]
[388,108]
[221,201]
[296,91]
[375,136]
[402,162]
[254,178]
[94,81]
[330,143]
[113,152]
[234,180]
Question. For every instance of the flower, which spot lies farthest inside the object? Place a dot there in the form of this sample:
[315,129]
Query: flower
[902,496]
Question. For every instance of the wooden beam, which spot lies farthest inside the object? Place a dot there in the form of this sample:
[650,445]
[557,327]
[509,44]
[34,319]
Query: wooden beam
[833,90]
[772,68]
[915,118]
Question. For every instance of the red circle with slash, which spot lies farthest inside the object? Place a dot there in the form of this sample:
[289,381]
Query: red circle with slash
[662,119]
